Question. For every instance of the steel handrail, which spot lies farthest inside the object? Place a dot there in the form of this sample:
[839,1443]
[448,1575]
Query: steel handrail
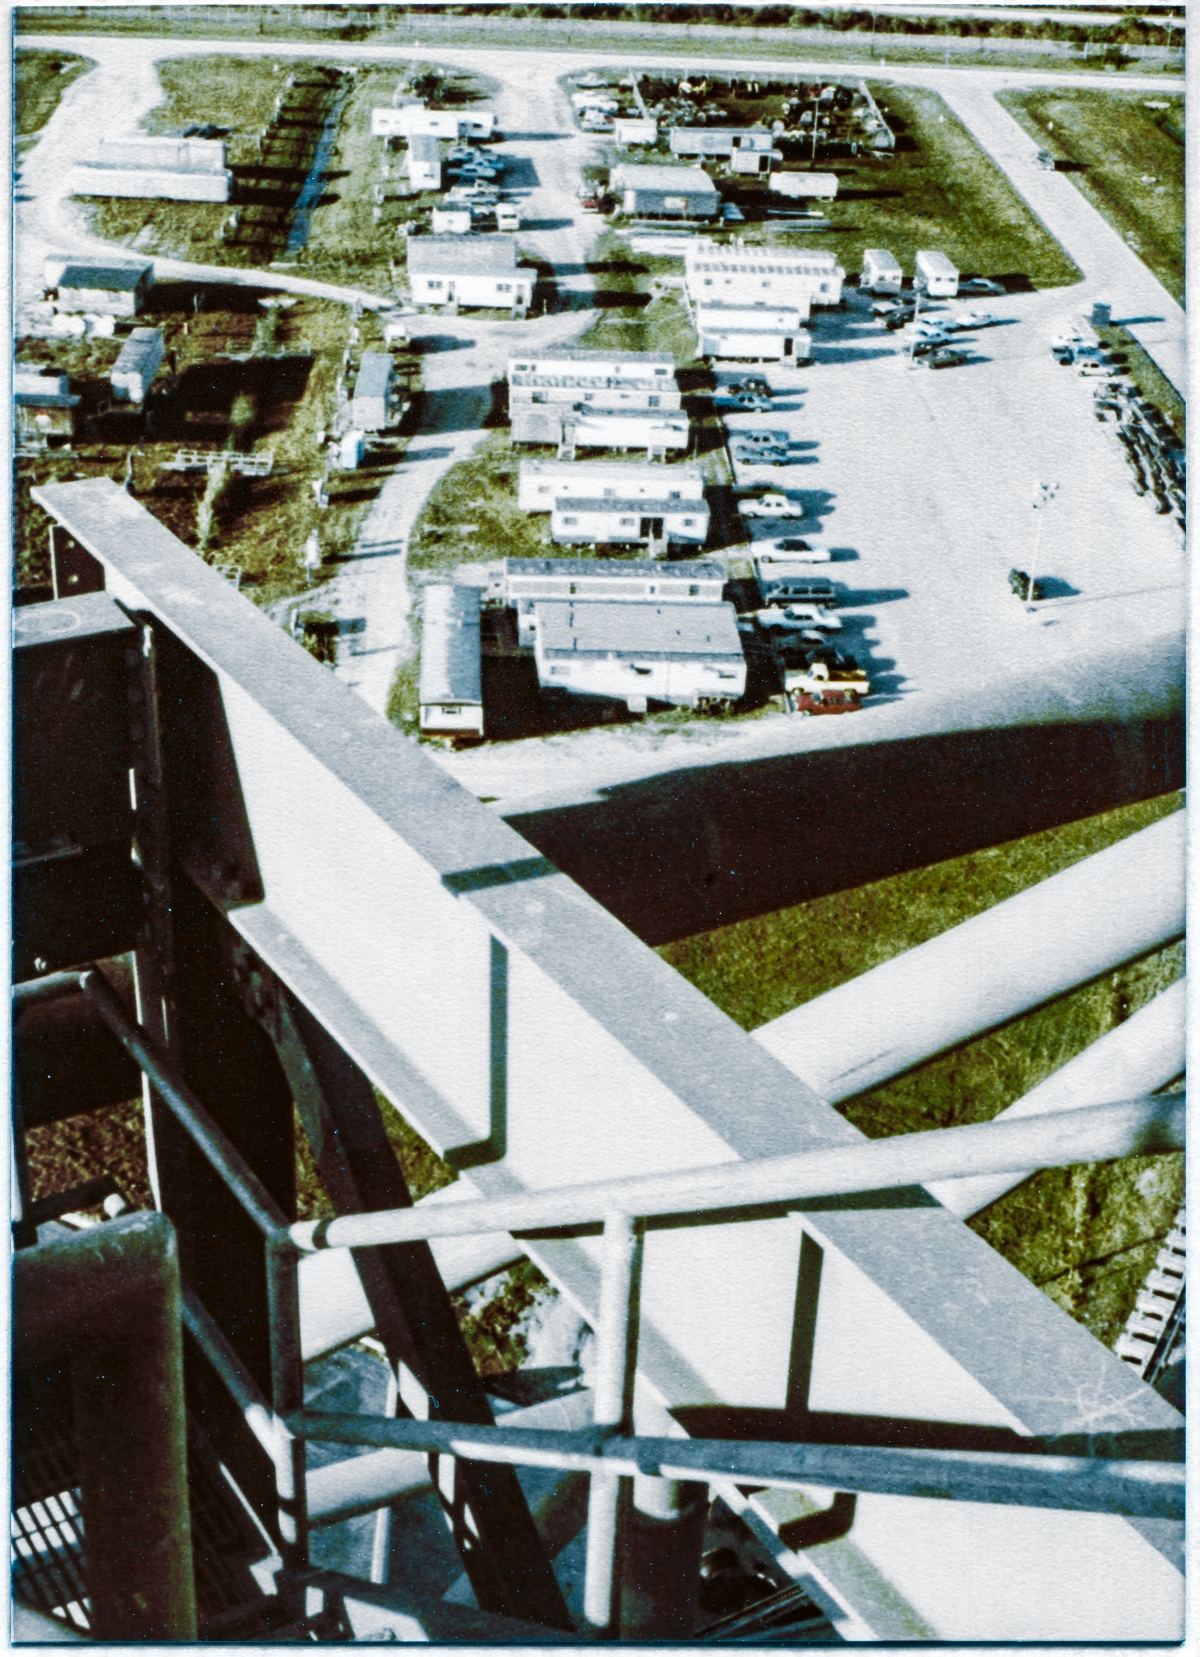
[1095,1133]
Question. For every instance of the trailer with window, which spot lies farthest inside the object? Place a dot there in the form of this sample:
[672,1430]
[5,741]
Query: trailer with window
[660,192]
[450,683]
[751,333]
[755,163]
[687,655]
[468,270]
[138,363]
[423,163]
[104,286]
[805,186]
[722,141]
[572,426]
[523,583]
[935,275]
[739,273]
[881,272]
[369,407]
[542,482]
[601,520]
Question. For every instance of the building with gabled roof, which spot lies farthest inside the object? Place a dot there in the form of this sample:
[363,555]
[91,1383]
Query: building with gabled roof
[102,285]
[468,270]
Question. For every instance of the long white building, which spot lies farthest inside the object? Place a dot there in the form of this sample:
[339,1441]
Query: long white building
[523,583]
[571,426]
[450,682]
[601,520]
[751,333]
[606,379]
[741,273]
[541,482]
[682,654]
[171,169]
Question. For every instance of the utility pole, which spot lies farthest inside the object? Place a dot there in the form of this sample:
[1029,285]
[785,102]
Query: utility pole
[1043,494]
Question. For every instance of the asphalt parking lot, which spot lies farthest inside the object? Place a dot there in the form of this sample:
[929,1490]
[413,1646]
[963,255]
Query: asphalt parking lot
[921,482]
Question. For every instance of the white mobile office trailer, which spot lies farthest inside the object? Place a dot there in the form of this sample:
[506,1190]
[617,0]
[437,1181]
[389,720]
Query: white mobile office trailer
[935,275]
[805,186]
[137,365]
[602,520]
[578,426]
[525,582]
[742,273]
[881,271]
[724,141]
[369,405]
[751,333]
[468,270]
[450,682]
[756,162]
[606,379]
[542,482]
[682,654]
[414,120]
[423,163]
[172,169]
[635,132]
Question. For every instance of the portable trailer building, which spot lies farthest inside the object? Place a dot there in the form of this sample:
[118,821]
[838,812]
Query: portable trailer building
[723,141]
[137,365]
[414,120]
[525,582]
[43,403]
[639,521]
[541,482]
[468,270]
[881,271]
[805,186]
[591,368]
[781,275]
[636,131]
[935,275]
[115,289]
[576,426]
[755,162]
[372,389]
[173,169]
[423,162]
[658,192]
[450,682]
[752,333]
[683,654]
[644,394]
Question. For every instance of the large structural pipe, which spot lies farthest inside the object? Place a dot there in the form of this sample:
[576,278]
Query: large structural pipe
[1139,1056]
[1086,920]
[108,1304]
[1133,1126]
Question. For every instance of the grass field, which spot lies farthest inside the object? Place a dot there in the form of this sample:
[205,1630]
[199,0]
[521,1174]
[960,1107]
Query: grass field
[938,189]
[1086,1235]
[1125,157]
[39,80]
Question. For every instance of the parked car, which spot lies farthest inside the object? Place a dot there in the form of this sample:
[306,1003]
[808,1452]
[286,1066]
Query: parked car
[981,284]
[751,382]
[752,401]
[944,358]
[1045,160]
[899,319]
[745,438]
[963,320]
[793,549]
[731,213]
[833,699]
[771,505]
[927,346]
[806,616]
[758,456]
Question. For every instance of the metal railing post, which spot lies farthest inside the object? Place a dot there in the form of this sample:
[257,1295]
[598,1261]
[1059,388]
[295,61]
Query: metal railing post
[613,1388]
[287,1395]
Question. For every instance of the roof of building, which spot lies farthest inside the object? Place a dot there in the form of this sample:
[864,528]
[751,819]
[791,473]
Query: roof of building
[140,347]
[424,146]
[624,569]
[881,256]
[106,278]
[735,256]
[51,397]
[691,181]
[723,132]
[566,353]
[593,627]
[190,155]
[583,411]
[642,505]
[933,258]
[729,308]
[374,375]
[34,376]
[461,255]
[631,471]
[450,659]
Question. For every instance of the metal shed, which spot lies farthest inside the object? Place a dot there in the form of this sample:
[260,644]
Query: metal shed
[450,684]
[369,405]
[43,403]
[667,192]
[682,654]
[174,169]
[137,365]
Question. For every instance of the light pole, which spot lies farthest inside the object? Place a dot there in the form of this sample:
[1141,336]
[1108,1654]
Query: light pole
[1043,494]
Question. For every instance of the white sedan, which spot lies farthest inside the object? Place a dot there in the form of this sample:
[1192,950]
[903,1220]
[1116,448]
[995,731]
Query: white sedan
[799,615]
[793,549]
[772,505]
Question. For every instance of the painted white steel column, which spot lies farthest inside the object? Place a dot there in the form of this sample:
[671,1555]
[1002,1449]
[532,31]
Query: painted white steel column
[1107,909]
[1139,1056]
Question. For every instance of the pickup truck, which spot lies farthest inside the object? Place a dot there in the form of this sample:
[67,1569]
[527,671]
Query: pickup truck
[772,505]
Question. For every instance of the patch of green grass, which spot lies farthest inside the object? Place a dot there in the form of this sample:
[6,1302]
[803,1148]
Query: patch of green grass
[421,1166]
[1112,143]
[1087,1235]
[938,189]
[472,515]
[645,322]
[39,80]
